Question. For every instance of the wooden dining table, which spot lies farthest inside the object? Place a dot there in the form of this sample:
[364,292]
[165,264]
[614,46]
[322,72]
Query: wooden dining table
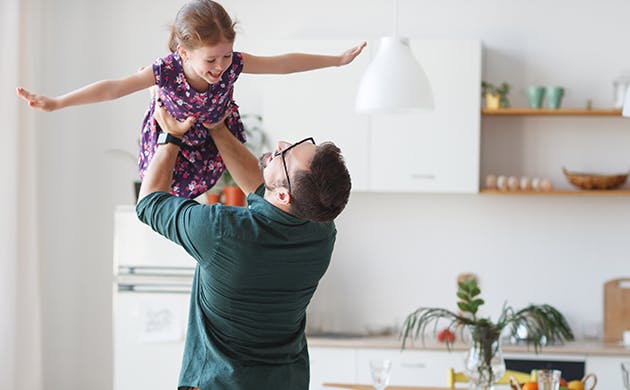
[370,387]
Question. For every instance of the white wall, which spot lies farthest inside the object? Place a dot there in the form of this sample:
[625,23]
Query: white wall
[394,252]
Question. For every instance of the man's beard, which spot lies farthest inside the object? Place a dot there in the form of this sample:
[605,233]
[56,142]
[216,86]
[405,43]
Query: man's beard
[262,164]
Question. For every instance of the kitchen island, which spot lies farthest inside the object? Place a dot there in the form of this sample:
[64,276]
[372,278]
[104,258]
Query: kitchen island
[346,359]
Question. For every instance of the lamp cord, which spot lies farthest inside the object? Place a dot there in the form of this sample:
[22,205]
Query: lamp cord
[395,18]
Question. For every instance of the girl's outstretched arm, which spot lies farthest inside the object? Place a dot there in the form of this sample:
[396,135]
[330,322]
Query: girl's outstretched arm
[96,92]
[297,62]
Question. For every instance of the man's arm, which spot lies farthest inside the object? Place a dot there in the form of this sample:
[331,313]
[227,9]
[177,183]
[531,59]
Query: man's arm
[241,163]
[159,174]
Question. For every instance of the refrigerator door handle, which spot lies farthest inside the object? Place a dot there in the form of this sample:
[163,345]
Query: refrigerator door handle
[138,270]
[154,288]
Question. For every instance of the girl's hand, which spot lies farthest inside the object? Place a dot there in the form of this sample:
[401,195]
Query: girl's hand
[170,124]
[38,101]
[349,55]
[220,122]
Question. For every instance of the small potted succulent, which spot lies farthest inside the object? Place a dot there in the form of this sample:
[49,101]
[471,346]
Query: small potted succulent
[496,97]
[484,364]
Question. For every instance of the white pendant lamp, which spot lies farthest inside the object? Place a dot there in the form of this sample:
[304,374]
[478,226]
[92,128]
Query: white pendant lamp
[626,104]
[394,81]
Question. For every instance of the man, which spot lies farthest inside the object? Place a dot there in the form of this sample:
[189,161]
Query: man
[257,267]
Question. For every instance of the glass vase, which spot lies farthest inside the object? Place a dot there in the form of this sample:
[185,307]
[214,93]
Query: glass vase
[484,364]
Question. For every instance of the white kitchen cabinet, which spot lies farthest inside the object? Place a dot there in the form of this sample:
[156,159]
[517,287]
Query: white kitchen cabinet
[430,151]
[607,369]
[332,365]
[435,150]
[410,368]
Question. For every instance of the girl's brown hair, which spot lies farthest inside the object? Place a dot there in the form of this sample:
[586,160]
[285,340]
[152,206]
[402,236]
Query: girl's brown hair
[201,22]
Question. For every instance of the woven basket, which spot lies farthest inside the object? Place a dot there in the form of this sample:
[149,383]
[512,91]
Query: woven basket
[590,181]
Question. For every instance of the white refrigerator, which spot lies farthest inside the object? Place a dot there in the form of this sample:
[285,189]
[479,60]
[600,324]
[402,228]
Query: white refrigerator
[151,290]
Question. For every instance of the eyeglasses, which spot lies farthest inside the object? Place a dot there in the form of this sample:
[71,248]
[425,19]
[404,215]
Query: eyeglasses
[283,152]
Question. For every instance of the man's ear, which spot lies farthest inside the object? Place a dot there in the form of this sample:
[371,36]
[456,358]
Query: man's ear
[281,195]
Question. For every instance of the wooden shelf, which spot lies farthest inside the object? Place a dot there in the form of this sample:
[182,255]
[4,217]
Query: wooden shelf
[622,192]
[548,112]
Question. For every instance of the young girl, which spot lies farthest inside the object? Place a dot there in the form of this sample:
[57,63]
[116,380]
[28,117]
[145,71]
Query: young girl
[195,80]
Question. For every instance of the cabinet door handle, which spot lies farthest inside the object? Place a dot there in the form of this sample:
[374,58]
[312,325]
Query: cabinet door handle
[423,176]
[413,365]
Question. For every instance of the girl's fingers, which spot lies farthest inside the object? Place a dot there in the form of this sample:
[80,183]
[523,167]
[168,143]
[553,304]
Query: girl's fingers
[23,93]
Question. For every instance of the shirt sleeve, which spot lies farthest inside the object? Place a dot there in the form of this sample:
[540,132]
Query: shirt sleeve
[237,62]
[189,224]
[159,74]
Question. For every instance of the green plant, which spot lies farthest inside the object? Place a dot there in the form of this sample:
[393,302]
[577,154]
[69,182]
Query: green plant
[543,323]
[502,90]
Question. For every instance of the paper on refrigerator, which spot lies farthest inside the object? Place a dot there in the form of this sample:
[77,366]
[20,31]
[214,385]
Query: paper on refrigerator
[161,322]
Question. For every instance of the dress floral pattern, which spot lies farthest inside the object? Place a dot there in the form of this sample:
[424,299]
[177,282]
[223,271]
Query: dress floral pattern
[198,165]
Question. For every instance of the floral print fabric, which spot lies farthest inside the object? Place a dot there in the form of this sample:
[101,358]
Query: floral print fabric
[198,165]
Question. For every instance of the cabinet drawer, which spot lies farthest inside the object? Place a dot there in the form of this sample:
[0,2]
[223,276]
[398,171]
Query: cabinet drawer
[331,365]
[607,369]
[411,368]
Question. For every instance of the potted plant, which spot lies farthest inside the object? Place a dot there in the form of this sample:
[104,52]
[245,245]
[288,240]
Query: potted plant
[484,363]
[213,195]
[496,97]
[232,193]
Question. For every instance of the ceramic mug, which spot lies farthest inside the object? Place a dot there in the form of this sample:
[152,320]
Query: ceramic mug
[535,96]
[554,97]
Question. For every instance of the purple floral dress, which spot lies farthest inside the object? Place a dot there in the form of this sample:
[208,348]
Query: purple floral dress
[198,165]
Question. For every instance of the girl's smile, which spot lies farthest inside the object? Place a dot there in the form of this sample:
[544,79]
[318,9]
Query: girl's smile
[207,62]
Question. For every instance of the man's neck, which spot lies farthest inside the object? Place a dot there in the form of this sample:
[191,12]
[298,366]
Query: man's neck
[271,198]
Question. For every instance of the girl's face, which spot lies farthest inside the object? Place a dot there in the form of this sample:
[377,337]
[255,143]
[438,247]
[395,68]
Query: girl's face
[210,61]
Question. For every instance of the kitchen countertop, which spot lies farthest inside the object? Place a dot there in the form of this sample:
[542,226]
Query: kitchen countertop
[598,348]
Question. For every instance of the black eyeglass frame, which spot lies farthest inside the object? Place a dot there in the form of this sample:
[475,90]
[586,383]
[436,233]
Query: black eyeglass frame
[284,151]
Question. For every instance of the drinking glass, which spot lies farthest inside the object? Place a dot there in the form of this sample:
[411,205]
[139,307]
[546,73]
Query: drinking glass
[380,373]
[625,374]
[548,379]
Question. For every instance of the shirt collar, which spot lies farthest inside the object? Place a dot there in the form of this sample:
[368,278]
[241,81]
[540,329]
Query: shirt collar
[258,204]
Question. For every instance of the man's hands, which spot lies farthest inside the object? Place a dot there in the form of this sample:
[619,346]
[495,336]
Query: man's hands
[39,102]
[221,122]
[349,55]
[170,124]
[177,128]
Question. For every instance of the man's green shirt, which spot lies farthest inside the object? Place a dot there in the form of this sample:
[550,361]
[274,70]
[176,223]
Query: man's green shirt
[257,269]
